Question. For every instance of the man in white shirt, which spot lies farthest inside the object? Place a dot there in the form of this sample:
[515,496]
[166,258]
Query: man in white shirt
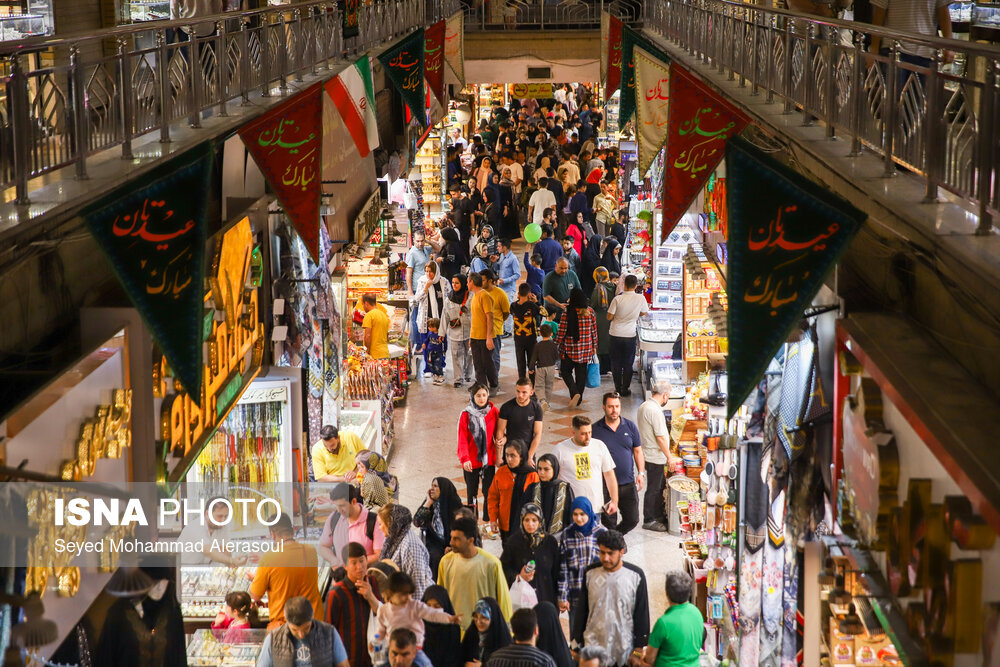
[583,462]
[655,437]
[541,199]
[624,313]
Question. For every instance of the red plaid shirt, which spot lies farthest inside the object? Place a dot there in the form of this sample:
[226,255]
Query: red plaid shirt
[584,347]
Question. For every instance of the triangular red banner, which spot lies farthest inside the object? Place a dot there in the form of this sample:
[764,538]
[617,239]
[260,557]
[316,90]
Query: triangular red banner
[700,123]
[285,143]
[434,59]
[614,54]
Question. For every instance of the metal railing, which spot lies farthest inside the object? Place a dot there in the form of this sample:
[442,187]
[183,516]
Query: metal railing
[547,15]
[167,71]
[931,118]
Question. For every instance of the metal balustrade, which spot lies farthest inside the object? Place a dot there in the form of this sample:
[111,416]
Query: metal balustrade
[935,120]
[548,15]
[163,72]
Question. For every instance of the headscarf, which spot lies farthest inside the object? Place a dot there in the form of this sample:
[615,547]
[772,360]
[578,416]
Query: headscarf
[496,636]
[458,295]
[400,521]
[583,503]
[608,260]
[491,242]
[442,641]
[551,496]
[535,538]
[551,639]
[577,300]
[601,276]
[477,428]
[375,464]
[445,505]
[590,259]
[519,494]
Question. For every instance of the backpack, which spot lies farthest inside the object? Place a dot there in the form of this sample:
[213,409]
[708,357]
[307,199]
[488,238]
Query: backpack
[369,524]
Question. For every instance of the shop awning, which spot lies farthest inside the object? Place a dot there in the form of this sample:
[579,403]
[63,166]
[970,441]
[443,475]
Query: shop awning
[956,417]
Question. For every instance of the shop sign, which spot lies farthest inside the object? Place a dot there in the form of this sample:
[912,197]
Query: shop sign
[861,472]
[234,344]
[105,436]
[265,395]
[540,91]
[367,220]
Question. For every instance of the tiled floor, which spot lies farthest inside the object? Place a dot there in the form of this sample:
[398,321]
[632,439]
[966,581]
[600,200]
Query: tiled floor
[424,448]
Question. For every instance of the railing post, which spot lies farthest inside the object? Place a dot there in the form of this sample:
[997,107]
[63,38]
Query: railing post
[299,54]
[282,54]
[20,117]
[755,53]
[933,154]
[889,110]
[786,91]
[266,65]
[858,75]
[245,61]
[809,74]
[987,148]
[221,66]
[832,36]
[162,73]
[125,97]
[769,35]
[78,102]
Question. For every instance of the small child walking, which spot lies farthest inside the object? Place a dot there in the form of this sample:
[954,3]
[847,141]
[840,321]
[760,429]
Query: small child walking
[543,359]
[435,345]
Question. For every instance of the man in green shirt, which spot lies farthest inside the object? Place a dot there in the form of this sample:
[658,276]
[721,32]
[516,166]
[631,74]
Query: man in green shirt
[557,286]
[677,636]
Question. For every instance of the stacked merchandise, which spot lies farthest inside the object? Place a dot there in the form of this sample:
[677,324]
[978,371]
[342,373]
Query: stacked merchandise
[380,381]
[701,282]
[247,449]
[431,162]
[204,589]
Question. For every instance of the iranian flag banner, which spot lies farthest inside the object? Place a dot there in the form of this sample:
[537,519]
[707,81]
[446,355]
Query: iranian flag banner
[353,93]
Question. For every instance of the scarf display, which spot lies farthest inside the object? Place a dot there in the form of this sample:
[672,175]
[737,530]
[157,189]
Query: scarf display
[582,503]
[533,539]
[400,521]
[477,428]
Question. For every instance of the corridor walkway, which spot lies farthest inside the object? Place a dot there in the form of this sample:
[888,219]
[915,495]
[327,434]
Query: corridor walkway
[424,448]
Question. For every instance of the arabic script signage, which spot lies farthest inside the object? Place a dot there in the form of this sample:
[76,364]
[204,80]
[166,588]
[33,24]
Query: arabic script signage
[626,101]
[404,63]
[434,59]
[153,232]
[454,46]
[539,91]
[235,342]
[652,80]
[785,234]
[286,144]
[700,124]
[614,54]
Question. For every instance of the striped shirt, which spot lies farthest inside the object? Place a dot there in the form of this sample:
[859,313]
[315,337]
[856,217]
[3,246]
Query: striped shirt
[348,611]
[520,655]
[919,16]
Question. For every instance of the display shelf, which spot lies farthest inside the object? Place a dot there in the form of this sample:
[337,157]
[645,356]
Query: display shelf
[203,589]
[205,649]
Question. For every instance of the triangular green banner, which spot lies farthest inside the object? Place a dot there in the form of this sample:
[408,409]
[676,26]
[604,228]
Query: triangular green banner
[153,232]
[785,235]
[626,101]
[404,63]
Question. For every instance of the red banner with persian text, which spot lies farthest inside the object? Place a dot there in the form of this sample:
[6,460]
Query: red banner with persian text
[614,55]
[434,59]
[652,106]
[700,124]
[286,145]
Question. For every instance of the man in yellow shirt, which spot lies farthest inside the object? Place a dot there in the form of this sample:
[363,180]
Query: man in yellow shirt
[333,455]
[287,573]
[376,324]
[501,309]
[481,311]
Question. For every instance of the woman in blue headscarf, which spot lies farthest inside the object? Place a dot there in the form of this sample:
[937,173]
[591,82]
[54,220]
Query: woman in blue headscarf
[487,632]
[579,549]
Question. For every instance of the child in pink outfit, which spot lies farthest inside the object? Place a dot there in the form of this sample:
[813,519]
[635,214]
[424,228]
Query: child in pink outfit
[400,610]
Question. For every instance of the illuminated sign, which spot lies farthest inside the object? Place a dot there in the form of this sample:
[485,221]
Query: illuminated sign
[105,436]
[234,340]
[541,91]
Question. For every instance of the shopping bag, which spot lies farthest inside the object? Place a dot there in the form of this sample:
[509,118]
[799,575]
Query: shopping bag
[593,374]
[522,594]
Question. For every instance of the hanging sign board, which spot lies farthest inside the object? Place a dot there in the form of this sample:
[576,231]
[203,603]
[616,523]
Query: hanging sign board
[539,91]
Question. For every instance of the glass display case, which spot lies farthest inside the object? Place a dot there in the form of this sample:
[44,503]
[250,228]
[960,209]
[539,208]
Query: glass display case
[985,14]
[206,648]
[20,26]
[138,11]
[658,329]
[362,423]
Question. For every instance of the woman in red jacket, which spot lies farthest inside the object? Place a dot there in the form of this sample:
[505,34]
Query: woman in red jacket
[510,488]
[476,451]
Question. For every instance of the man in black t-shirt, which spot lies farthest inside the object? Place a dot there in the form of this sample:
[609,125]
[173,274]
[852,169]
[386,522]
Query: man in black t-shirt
[520,419]
[526,314]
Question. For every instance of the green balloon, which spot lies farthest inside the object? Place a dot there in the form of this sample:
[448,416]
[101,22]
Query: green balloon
[532,232]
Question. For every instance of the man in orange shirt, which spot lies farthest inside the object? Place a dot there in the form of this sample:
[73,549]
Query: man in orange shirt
[481,310]
[291,569]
